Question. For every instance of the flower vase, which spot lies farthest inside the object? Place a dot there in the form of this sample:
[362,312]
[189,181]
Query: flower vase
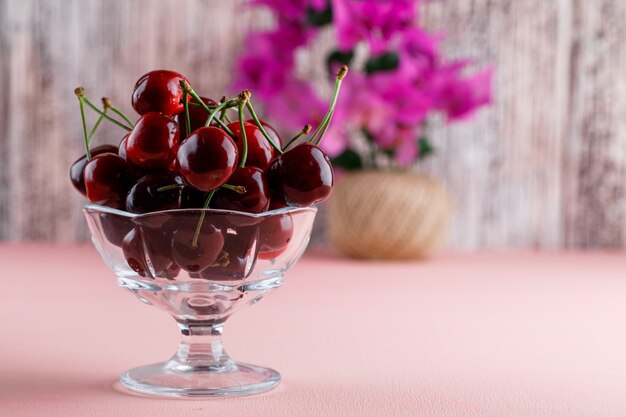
[390,215]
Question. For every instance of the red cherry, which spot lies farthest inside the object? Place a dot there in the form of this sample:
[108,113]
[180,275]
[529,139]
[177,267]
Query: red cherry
[158,91]
[270,131]
[107,180]
[147,251]
[196,257]
[302,176]
[197,117]
[238,256]
[145,197]
[192,198]
[255,199]
[275,233]
[207,158]
[153,141]
[260,152]
[115,227]
[77,170]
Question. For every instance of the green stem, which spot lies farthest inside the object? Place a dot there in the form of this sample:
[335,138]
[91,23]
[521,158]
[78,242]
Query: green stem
[107,103]
[215,111]
[317,136]
[186,105]
[305,131]
[106,116]
[260,126]
[96,125]
[79,92]
[194,242]
[169,187]
[244,137]
[239,189]
[186,87]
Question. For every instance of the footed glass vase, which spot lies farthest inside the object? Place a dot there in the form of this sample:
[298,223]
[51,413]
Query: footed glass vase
[200,266]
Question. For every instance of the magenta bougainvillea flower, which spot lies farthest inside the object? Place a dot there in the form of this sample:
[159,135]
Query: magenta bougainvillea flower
[376,22]
[404,78]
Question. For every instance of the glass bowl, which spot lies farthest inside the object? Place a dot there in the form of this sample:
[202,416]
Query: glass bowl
[200,266]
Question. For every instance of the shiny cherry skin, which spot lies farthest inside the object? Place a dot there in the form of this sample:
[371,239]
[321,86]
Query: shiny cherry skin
[145,197]
[302,176]
[153,142]
[275,233]
[197,117]
[206,158]
[143,244]
[115,227]
[77,170]
[237,258]
[195,258]
[107,180]
[270,131]
[260,152]
[254,200]
[158,91]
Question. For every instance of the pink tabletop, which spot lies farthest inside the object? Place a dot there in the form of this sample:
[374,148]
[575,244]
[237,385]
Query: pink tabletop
[463,335]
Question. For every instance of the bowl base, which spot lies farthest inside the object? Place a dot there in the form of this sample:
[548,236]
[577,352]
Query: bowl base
[173,379]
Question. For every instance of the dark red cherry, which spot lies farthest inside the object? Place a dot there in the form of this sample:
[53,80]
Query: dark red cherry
[107,180]
[192,198]
[77,170]
[145,197]
[158,91]
[153,142]
[207,158]
[147,251]
[275,233]
[115,227]
[197,117]
[238,256]
[255,199]
[133,252]
[260,152]
[277,202]
[302,176]
[196,256]
[270,131]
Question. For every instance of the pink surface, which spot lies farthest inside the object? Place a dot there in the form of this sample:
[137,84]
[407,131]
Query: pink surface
[462,335]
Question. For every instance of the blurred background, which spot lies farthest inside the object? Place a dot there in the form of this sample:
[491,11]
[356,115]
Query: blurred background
[543,167]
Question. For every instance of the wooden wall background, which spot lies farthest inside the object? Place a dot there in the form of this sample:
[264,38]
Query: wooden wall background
[544,167]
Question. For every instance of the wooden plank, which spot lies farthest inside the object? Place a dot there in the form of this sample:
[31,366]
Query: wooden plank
[503,167]
[595,162]
[5,51]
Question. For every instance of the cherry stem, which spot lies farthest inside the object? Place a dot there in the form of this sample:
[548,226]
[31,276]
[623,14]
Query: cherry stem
[169,187]
[107,103]
[224,116]
[186,87]
[192,104]
[305,131]
[224,105]
[243,99]
[97,124]
[194,242]
[317,136]
[239,189]
[186,105]
[79,92]
[260,126]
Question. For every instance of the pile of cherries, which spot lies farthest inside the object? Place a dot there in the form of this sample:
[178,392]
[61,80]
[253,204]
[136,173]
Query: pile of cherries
[185,152]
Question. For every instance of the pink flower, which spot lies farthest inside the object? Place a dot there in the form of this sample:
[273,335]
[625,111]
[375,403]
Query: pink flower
[457,96]
[373,21]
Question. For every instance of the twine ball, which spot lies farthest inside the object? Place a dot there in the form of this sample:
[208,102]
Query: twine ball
[388,215]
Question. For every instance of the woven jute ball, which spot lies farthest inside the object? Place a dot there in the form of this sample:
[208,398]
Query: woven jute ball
[388,215]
